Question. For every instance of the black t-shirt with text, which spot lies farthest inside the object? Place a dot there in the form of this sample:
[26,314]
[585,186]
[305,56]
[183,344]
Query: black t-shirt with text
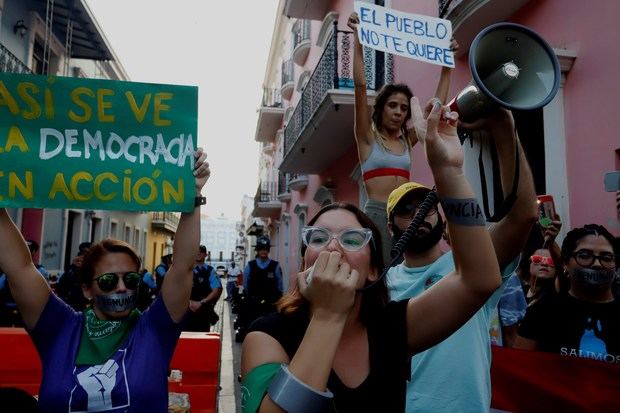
[570,327]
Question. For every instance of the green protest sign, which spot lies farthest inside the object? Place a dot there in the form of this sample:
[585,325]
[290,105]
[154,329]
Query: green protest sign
[96,144]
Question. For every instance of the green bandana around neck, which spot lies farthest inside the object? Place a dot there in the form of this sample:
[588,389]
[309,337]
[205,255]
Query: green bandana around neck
[101,338]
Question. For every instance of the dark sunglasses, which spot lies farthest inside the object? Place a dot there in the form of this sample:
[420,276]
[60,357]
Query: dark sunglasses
[408,210]
[108,281]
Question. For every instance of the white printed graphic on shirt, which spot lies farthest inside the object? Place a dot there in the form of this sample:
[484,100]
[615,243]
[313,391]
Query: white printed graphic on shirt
[101,387]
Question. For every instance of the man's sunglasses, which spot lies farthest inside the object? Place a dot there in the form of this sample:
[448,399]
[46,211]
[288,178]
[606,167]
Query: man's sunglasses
[408,210]
[108,281]
[541,260]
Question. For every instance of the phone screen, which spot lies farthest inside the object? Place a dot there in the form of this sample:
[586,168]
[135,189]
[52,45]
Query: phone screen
[546,210]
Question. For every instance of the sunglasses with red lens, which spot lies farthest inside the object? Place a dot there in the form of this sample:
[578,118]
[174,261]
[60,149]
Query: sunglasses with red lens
[108,281]
[541,260]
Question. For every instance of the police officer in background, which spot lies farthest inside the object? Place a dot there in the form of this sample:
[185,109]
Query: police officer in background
[69,285]
[33,246]
[161,270]
[262,280]
[206,290]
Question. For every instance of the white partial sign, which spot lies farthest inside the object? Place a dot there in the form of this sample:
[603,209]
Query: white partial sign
[409,35]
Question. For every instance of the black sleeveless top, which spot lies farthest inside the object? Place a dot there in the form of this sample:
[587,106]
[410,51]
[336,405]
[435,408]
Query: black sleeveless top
[385,387]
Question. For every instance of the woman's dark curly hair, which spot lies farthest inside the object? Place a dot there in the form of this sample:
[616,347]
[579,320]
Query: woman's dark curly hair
[381,99]
[576,234]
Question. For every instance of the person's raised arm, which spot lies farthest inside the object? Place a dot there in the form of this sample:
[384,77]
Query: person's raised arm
[511,232]
[443,87]
[177,283]
[30,290]
[550,234]
[363,129]
[454,299]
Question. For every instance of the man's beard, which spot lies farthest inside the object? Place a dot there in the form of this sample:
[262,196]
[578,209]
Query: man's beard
[420,243]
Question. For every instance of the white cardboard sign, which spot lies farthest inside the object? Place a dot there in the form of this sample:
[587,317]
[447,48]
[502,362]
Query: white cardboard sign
[409,35]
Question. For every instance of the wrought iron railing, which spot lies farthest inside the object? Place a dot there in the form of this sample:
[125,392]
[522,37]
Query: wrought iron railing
[333,71]
[10,63]
[287,72]
[272,98]
[444,7]
[301,32]
[167,218]
[295,177]
[268,192]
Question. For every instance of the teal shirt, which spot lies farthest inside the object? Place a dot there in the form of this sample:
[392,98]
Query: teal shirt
[453,376]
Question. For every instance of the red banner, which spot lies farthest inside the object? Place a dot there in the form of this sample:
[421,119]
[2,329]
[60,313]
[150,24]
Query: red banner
[531,381]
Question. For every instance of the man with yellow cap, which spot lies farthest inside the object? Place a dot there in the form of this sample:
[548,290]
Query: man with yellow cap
[453,376]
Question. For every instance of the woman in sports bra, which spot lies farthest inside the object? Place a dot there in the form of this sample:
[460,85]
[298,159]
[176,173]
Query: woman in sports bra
[384,140]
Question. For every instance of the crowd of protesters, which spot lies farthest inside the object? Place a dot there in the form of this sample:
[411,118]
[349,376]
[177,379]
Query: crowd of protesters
[556,298]
[353,332]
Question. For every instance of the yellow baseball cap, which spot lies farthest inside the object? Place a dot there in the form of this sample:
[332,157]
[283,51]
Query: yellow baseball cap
[398,194]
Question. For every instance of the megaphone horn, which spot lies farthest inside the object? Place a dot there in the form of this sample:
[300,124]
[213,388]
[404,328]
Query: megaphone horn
[511,66]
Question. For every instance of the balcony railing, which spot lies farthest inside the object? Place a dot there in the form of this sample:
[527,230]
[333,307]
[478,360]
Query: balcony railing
[301,32]
[287,72]
[165,220]
[268,192]
[10,63]
[266,202]
[269,115]
[288,78]
[272,98]
[282,183]
[297,182]
[445,6]
[333,71]
[301,41]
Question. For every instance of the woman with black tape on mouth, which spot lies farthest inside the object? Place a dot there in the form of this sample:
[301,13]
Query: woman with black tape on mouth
[111,357]
[585,322]
[110,279]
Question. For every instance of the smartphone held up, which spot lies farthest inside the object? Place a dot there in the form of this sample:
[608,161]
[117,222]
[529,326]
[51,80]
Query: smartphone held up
[546,210]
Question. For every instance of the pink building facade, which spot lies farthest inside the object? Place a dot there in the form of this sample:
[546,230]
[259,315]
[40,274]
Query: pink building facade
[306,125]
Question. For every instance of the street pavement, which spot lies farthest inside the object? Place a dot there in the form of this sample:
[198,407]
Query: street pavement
[230,395]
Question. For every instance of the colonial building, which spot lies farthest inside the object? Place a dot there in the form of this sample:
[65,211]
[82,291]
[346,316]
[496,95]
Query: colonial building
[305,123]
[63,38]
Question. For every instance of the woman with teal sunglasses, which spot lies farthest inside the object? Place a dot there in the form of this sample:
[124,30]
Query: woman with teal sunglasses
[111,357]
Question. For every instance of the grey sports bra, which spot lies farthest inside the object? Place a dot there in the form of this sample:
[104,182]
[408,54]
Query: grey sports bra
[381,162]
